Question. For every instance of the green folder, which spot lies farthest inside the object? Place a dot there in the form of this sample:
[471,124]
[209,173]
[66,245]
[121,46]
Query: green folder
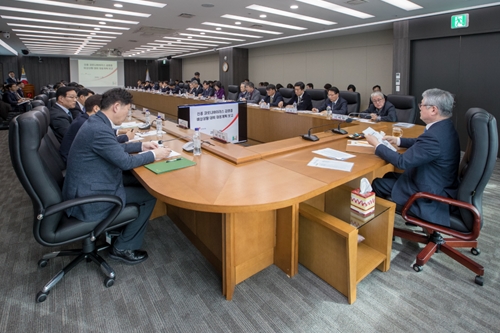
[165,166]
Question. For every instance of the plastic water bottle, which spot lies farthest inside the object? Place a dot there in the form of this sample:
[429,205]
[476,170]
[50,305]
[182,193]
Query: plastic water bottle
[328,112]
[159,123]
[262,101]
[197,142]
[148,120]
[294,106]
[223,98]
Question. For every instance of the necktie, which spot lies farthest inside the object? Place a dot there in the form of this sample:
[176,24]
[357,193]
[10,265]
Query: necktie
[299,99]
[271,99]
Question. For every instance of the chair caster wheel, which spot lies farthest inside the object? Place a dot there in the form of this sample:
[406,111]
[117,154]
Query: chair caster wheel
[417,268]
[108,282]
[42,263]
[475,252]
[41,296]
[479,280]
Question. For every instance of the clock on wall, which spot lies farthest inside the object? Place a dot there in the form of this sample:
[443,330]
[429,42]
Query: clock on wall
[225,66]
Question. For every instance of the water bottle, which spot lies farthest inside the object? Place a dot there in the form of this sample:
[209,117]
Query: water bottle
[294,106]
[148,121]
[197,142]
[328,112]
[159,123]
[262,101]
[129,115]
[223,98]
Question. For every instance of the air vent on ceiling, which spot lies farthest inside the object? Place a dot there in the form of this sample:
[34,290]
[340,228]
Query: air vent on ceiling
[356,2]
[186,15]
[256,26]
[154,31]
[85,2]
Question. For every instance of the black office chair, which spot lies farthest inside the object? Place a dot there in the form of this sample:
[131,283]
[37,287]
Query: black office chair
[318,96]
[466,220]
[181,85]
[263,91]
[52,101]
[287,94]
[42,97]
[52,142]
[353,101]
[37,102]
[41,179]
[52,93]
[232,92]
[406,107]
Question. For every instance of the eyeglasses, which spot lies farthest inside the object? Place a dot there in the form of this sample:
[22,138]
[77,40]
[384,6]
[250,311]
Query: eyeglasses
[420,105]
[378,100]
[71,97]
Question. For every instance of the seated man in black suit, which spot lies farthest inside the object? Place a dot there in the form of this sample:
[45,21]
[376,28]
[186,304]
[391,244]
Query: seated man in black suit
[79,108]
[60,116]
[430,162]
[380,110]
[334,101]
[273,97]
[172,88]
[243,91]
[196,89]
[12,98]
[301,97]
[207,90]
[96,162]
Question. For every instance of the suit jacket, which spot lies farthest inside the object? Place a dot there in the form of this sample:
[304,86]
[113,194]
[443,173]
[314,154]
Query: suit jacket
[196,91]
[305,103]
[431,165]
[276,99]
[219,94]
[340,107]
[59,121]
[10,80]
[10,97]
[20,92]
[70,135]
[253,97]
[208,92]
[387,113]
[95,164]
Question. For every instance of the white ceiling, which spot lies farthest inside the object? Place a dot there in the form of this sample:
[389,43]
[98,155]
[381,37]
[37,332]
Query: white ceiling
[147,36]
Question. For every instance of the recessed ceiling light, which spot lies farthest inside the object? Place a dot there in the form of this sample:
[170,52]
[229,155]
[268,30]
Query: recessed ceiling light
[222,33]
[218,28]
[65,15]
[55,33]
[262,15]
[118,5]
[275,24]
[403,4]
[102,22]
[109,15]
[60,28]
[196,40]
[179,40]
[144,3]
[58,22]
[202,33]
[83,7]
[290,15]
[207,43]
[237,23]
[142,51]
[93,33]
[97,28]
[294,6]
[190,37]
[244,28]
[337,8]
[213,37]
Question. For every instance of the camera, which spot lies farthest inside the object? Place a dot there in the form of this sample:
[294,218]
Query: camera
[6,35]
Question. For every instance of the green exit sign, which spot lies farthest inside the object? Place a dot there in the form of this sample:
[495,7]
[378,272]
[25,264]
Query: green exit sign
[460,21]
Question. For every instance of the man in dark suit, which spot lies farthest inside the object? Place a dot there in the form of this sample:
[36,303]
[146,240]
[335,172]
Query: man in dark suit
[196,89]
[334,101]
[79,108]
[273,97]
[207,90]
[60,114]
[252,95]
[196,78]
[96,151]
[430,163]
[301,97]
[172,88]
[380,109]
[11,79]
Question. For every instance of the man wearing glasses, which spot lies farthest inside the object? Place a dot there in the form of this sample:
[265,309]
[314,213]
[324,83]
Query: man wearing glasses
[430,162]
[60,115]
[380,110]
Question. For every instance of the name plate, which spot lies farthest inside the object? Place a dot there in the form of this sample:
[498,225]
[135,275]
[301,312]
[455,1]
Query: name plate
[264,106]
[291,110]
[221,136]
[183,123]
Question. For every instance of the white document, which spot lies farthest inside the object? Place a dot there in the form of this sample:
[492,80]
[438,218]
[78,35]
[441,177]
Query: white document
[334,154]
[136,138]
[329,164]
[379,136]
[369,121]
[404,125]
[150,133]
[130,124]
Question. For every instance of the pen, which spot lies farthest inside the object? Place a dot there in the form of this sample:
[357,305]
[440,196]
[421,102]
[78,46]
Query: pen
[175,159]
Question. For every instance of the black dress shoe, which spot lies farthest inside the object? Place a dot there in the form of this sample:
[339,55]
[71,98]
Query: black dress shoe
[130,257]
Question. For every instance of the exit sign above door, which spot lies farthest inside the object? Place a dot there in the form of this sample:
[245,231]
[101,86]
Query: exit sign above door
[460,21]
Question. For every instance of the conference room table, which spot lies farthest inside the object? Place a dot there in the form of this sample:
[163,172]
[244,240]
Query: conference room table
[239,205]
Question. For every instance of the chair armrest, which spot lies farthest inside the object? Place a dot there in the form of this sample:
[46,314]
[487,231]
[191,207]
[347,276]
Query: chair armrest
[474,234]
[118,205]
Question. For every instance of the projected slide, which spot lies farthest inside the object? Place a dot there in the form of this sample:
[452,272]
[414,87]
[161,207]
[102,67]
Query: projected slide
[98,73]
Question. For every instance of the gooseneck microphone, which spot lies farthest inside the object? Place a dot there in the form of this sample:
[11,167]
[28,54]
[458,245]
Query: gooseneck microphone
[312,137]
[339,130]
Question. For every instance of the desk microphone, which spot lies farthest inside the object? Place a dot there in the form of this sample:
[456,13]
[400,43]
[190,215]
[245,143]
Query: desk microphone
[359,114]
[339,130]
[312,137]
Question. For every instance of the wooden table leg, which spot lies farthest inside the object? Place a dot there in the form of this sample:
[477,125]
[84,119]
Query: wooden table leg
[286,254]
[228,258]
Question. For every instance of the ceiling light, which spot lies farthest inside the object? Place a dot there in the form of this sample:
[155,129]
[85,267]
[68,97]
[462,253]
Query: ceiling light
[286,26]
[58,22]
[118,5]
[244,28]
[93,33]
[237,23]
[262,15]
[337,8]
[291,15]
[54,33]
[102,22]
[212,37]
[222,33]
[7,46]
[190,37]
[59,28]
[294,7]
[187,43]
[403,4]
[179,40]
[65,15]
[195,40]
[218,28]
[75,41]
[143,3]
[109,15]
[65,37]
[97,28]
[201,33]
[83,7]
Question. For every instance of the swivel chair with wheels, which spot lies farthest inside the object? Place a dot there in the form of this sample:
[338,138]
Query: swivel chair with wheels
[466,220]
[406,107]
[353,101]
[232,92]
[41,178]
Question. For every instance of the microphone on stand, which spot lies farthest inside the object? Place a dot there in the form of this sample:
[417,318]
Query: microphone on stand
[312,137]
[339,130]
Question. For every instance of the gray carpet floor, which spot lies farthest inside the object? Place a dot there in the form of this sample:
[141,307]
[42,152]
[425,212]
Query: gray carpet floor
[177,290]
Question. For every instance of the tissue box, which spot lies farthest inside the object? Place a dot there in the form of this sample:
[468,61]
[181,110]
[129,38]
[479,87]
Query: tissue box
[360,146]
[363,204]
